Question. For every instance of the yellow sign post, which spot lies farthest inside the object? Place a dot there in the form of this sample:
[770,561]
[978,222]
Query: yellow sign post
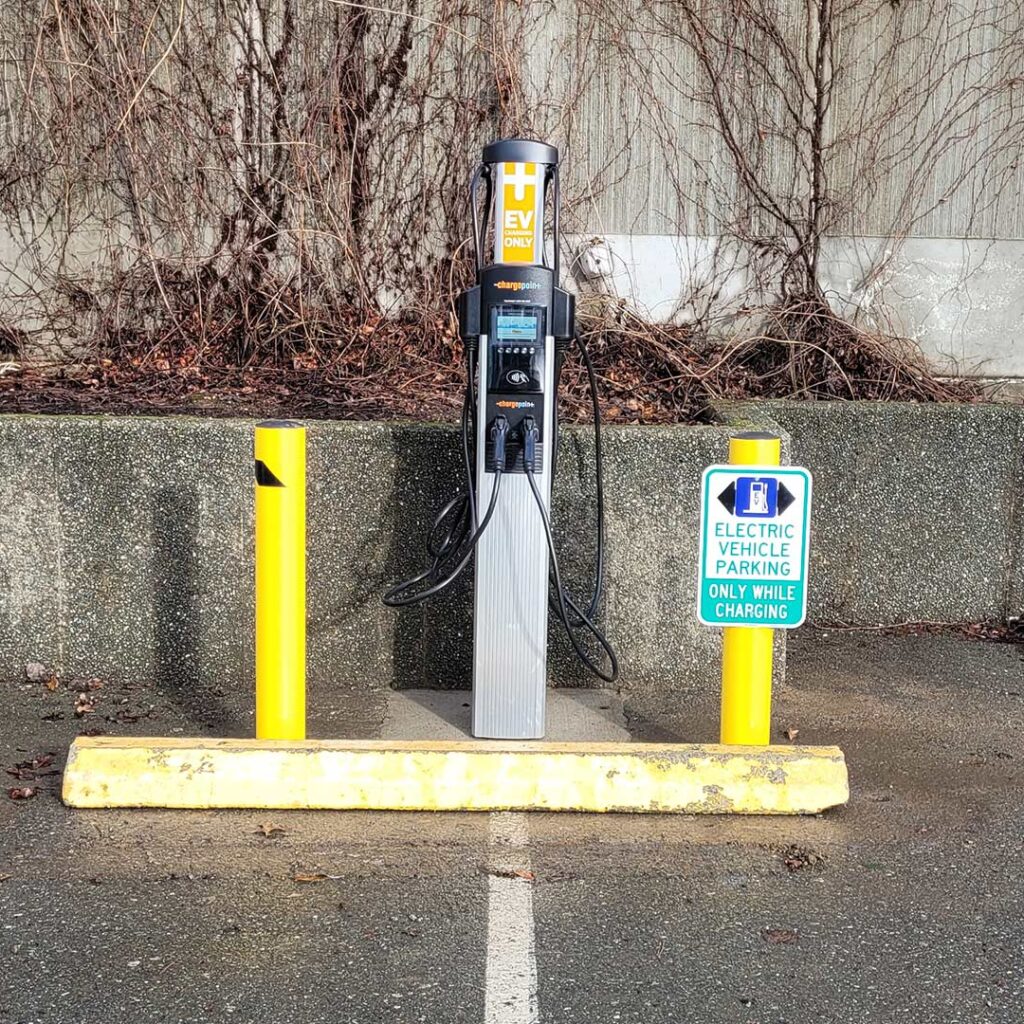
[747,650]
[280,581]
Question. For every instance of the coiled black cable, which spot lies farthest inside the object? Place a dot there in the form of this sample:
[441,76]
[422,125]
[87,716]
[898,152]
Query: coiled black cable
[403,594]
[563,601]
[451,551]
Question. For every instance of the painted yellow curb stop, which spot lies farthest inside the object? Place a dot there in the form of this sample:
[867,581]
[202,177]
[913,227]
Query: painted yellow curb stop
[106,771]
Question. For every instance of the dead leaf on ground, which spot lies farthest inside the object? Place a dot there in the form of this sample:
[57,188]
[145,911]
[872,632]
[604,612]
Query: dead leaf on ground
[529,876]
[29,771]
[269,829]
[130,716]
[22,792]
[797,857]
[309,876]
[780,936]
[791,734]
[84,706]
[51,683]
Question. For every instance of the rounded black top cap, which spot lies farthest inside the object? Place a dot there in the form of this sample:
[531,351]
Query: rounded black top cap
[520,151]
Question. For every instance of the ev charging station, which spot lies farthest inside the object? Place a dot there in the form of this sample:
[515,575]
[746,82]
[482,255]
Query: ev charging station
[516,324]
[516,315]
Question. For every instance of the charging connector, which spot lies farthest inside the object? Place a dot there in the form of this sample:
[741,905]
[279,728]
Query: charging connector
[499,435]
[530,435]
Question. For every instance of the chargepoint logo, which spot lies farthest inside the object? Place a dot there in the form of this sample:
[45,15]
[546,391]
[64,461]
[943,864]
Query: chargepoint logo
[515,405]
[517,286]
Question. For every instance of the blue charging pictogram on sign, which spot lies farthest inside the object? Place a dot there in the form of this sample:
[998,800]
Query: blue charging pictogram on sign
[757,497]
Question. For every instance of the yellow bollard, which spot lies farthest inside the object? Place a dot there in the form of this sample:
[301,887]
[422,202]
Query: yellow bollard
[747,650]
[280,580]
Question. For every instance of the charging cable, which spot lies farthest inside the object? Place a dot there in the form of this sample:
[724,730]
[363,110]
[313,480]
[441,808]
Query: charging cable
[582,619]
[595,596]
[440,574]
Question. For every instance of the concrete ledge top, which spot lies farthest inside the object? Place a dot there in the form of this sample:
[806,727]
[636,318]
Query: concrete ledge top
[369,426]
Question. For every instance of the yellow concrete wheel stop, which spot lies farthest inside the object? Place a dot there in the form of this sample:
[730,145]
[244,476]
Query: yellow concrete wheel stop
[453,776]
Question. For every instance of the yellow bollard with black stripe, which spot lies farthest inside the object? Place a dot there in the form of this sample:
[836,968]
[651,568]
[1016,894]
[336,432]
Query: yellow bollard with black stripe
[280,580]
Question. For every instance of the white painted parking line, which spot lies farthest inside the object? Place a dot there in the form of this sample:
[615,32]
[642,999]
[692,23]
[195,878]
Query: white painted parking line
[511,973]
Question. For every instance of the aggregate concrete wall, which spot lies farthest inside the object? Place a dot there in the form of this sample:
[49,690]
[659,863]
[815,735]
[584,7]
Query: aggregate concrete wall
[918,509]
[126,543]
[126,551]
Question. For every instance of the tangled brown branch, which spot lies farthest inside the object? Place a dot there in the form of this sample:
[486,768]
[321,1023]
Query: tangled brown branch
[212,195]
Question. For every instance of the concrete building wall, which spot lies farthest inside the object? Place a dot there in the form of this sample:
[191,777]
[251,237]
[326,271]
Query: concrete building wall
[961,300]
[921,147]
[645,128]
[927,239]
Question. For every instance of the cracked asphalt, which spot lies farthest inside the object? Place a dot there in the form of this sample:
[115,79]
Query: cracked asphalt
[906,905]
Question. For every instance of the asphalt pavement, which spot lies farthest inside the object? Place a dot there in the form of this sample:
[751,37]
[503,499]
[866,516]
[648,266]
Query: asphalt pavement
[905,905]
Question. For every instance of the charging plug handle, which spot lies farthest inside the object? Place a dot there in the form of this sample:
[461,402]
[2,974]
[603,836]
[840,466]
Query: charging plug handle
[530,434]
[499,434]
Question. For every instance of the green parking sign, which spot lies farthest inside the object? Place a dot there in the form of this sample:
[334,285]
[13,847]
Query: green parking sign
[754,532]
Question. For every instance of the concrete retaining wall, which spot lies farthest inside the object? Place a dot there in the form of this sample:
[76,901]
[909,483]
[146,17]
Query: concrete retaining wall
[126,551]
[919,509]
[126,543]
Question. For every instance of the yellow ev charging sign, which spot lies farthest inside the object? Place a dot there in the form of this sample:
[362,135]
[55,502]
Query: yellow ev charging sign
[754,526]
[519,212]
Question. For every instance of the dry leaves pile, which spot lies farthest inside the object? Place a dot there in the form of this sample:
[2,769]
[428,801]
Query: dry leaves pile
[374,367]
[31,770]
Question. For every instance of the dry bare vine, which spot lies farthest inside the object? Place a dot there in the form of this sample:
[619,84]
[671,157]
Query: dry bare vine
[214,193]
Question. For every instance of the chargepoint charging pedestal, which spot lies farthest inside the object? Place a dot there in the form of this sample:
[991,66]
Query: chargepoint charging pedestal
[516,324]
[520,321]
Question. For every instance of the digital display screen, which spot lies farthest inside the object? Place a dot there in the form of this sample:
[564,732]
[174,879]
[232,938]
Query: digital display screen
[516,327]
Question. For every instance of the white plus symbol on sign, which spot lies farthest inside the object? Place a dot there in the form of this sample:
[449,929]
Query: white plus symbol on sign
[520,179]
